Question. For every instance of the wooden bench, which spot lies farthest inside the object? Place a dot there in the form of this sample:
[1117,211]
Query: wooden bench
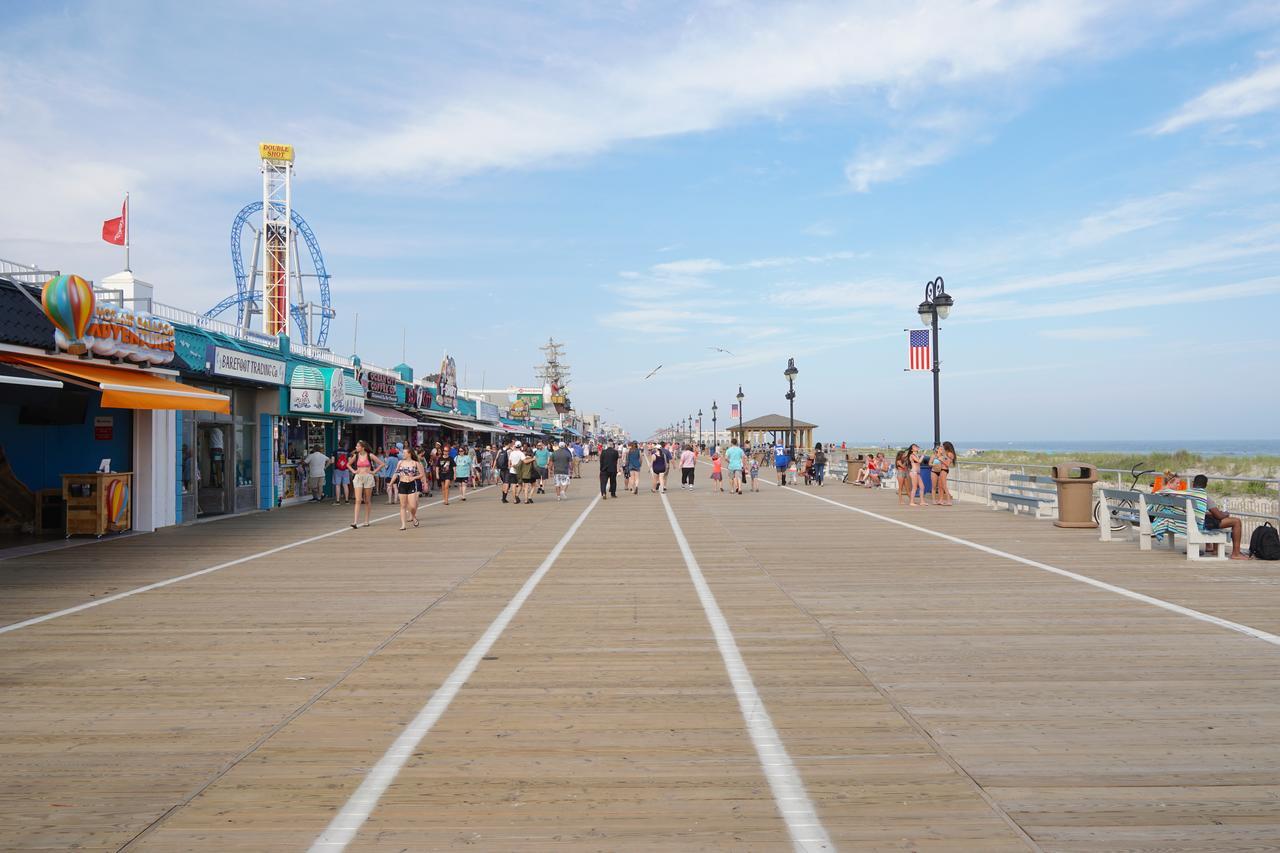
[1119,504]
[1029,491]
[1178,508]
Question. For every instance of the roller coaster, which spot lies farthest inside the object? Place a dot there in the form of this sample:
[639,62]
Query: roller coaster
[308,317]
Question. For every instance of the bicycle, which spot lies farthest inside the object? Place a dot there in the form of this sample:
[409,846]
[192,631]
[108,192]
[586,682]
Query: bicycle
[1123,508]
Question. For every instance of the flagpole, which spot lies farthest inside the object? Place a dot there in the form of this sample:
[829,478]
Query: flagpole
[126,232]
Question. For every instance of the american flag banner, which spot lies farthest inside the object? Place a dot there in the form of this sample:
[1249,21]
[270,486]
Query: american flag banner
[733,410]
[918,350]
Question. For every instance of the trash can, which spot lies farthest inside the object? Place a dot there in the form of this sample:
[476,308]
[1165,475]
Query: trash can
[855,464]
[1075,494]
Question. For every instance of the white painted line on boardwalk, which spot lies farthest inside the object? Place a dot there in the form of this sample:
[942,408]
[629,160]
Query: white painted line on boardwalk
[1239,628]
[57,614]
[789,793]
[343,828]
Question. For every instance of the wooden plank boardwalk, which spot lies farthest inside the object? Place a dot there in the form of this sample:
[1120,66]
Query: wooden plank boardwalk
[928,694]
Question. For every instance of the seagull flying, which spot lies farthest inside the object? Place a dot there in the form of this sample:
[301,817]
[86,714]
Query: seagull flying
[655,370]
[721,349]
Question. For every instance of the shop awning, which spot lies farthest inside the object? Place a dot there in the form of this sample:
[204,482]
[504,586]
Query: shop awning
[308,376]
[454,423]
[379,416]
[122,387]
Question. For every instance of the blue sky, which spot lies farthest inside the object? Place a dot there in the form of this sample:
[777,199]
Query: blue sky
[1096,181]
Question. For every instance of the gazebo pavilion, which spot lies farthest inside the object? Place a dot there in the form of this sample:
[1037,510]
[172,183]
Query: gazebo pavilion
[771,429]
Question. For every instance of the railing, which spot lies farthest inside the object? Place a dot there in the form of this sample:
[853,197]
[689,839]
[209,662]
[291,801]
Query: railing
[25,273]
[190,318]
[320,354]
[1251,509]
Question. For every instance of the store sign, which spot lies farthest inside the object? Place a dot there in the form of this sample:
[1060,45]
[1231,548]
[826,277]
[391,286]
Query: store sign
[487,411]
[275,151]
[82,325]
[103,427]
[519,410]
[342,403]
[417,397]
[447,393]
[306,400]
[255,368]
[534,401]
[380,387]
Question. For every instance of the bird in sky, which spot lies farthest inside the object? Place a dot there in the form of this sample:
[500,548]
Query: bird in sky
[721,349]
[655,370]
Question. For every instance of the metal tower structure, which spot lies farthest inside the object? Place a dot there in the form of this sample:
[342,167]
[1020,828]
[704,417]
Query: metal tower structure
[308,322]
[277,242]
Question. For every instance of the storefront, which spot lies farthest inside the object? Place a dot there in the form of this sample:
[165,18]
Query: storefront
[221,459]
[318,402]
[381,426]
[86,389]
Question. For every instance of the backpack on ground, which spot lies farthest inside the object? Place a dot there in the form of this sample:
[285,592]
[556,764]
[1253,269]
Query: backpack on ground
[1264,544]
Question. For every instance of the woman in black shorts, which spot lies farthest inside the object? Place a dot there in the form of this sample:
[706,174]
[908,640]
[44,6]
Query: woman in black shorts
[408,478]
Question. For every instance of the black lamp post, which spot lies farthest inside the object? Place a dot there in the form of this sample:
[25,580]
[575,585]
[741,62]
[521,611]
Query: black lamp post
[936,306]
[715,432]
[741,435]
[689,434]
[790,373]
[699,430]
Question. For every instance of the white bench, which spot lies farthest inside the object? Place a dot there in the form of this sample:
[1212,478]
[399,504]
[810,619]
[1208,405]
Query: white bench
[1030,492]
[1120,505]
[1181,509]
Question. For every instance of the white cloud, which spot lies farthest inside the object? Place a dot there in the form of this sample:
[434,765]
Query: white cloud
[927,142]
[1097,333]
[1130,300]
[706,266]
[1251,94]
[725,63]
[693,266]
[1128,217]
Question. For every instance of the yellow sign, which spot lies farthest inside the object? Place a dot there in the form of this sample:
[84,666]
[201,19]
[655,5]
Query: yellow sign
[274,151]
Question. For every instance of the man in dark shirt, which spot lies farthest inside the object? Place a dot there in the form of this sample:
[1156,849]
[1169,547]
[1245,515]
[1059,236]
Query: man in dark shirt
[609,471]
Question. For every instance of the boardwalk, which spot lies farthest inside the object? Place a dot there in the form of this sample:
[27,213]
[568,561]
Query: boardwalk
[903,690]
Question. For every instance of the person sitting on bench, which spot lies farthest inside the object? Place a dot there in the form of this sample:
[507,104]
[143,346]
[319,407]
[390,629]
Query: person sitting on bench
[1215,518]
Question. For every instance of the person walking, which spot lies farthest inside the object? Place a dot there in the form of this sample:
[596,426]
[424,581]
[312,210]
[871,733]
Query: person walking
[945,456]
[819,463]
[632,469]
[515,458]
[688,462]
[917,485]
[541,460]
[658,465]
[462,470]
[444,471]
[609,471]
[367,468]
[486,465]
[341,477]
[527,475]
[410,477]
[389,471]
[735,457]
[717,471]
[562,469]
[500,465]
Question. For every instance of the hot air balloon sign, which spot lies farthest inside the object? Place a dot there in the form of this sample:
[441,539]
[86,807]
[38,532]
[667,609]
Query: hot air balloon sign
[117,501]
[84,325]
[69,304]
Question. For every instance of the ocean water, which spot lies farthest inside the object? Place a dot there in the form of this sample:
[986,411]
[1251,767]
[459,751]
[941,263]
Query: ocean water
[1211,447]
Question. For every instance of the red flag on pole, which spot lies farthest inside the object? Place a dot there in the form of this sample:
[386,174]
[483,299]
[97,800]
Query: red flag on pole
[114,230]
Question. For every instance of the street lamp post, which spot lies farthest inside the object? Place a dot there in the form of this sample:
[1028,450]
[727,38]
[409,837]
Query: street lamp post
[790,373]
[741,435]
[715,431]
[699,430]
[936,306]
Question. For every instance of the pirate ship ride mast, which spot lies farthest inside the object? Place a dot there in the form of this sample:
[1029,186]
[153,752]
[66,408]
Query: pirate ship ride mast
[555,375]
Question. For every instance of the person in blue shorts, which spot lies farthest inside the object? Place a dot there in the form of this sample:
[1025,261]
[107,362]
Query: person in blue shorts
[781,461]
[734,455]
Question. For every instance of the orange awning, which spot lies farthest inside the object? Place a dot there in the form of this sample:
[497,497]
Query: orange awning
[123,387]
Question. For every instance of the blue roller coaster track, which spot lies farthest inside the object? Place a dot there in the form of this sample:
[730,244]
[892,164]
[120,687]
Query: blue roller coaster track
[243,297]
